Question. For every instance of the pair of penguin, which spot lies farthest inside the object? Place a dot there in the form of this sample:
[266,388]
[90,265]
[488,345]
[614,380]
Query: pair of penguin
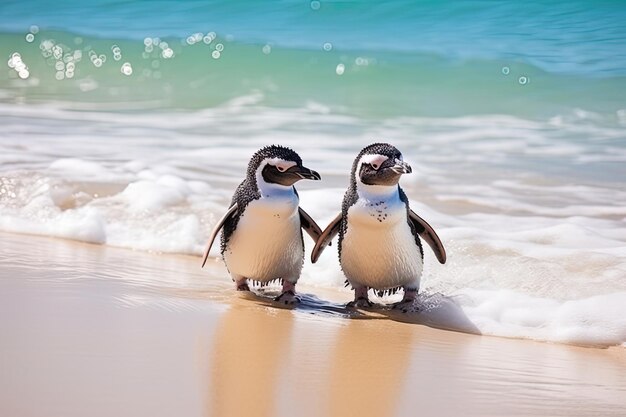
[379,235]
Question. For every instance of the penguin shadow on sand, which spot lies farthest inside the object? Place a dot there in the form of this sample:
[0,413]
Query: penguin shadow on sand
[433,310]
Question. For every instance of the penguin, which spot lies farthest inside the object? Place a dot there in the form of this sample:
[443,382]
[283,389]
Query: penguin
[262,230]
[379,234]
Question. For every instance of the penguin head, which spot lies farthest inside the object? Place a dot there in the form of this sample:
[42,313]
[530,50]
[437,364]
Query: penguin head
[379,164]
[279,166]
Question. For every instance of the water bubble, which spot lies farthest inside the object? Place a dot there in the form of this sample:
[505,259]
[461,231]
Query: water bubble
[103,58]
[69,74]
[97,62]
[340,69]
[197,37]
[164,45]
[78,55]
[11,63]
[216,54]
[267,49]
[30,37]
[219,47]
[126,69]
[59,66]
[68,58]
[117,57]
[149,48]
[59,75]
[506,70]
[23,74]
[167,53]
[155,63]
[523,80]
[315,5]
[327,46]
[190,40]
[70,66]
[145,55]
[360,61]
[212,35]
[207,39]
[34,29]
[147,41]
[78,40]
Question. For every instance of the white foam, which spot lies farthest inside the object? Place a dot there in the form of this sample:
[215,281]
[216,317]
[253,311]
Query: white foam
[535,235]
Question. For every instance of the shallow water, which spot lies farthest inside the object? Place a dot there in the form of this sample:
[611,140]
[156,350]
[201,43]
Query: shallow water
[512,117]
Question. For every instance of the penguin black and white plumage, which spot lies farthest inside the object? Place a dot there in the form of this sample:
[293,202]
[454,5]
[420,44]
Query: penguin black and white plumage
[262,230]
[379,235]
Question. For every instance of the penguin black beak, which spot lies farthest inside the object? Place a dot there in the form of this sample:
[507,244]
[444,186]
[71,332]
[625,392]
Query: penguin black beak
[307,174]
[402,167]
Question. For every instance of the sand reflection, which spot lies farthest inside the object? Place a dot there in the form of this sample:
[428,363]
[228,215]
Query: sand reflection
[368,368]
[248,357]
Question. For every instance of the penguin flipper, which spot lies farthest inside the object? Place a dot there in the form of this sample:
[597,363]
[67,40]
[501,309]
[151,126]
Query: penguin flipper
[427,233]
[327,235]
[309,225]
[232,210]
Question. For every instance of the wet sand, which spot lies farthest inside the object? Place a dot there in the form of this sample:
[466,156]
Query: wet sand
[87,330]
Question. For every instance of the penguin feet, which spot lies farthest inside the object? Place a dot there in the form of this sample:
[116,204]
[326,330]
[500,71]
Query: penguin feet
[407,301]
[360,302]
[288,298]
[242,285]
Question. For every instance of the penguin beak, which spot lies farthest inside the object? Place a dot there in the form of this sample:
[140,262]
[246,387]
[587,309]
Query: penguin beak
[307,174]
[401,167]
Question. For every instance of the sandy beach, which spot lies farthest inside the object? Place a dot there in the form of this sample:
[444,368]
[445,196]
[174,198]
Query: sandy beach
[101,331]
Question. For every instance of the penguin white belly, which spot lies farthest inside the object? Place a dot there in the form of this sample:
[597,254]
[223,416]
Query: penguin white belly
[267,243]
[378,249]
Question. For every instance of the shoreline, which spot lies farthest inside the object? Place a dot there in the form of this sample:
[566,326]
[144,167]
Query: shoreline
[96,330]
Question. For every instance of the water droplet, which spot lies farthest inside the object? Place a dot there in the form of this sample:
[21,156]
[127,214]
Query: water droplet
[126,69]
[506,70]
[315,5]
[340,69]
[523,80]
[328,46]
[30,37]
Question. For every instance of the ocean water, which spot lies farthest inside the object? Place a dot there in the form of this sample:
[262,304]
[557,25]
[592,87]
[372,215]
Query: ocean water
[131,123]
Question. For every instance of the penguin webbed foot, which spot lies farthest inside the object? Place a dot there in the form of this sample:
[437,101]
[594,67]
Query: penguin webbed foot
[360,302]
[288,297]
[407,303]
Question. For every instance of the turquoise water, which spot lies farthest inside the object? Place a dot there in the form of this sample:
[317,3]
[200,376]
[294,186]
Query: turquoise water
[364,58]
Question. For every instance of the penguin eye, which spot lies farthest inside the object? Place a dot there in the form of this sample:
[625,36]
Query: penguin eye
[375,166]
[280,169]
